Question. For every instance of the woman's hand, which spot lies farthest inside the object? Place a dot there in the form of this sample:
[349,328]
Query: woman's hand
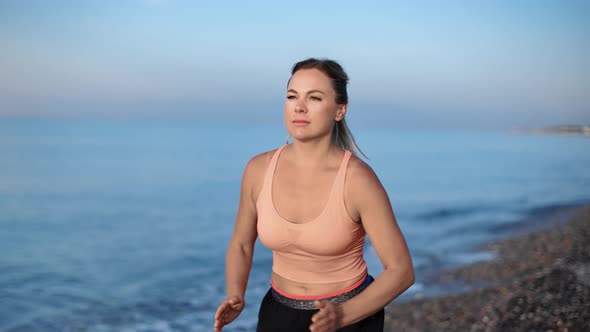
[227,311]
[328,319]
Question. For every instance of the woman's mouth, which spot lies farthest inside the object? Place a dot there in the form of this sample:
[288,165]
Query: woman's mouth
[300,123]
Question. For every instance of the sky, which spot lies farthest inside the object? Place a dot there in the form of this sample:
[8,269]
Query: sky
[500,64]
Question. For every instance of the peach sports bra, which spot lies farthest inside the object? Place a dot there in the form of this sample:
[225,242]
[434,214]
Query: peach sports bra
[325,250]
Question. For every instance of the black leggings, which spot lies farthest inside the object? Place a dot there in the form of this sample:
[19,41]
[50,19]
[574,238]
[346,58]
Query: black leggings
[274,316]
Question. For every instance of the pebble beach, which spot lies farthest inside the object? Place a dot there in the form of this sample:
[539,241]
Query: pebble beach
[537,281]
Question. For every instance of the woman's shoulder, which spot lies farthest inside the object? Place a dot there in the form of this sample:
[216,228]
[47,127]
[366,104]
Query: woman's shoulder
[261,160]
[361,188]
[257,165]
[359,171]
[359,175]
[255,172]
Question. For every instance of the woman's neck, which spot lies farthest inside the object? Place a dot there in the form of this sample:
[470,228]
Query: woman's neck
[312,154]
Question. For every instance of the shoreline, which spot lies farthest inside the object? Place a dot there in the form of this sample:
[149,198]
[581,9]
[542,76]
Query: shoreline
[538,281]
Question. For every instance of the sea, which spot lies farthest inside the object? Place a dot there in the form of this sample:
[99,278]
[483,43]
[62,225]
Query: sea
[122,224]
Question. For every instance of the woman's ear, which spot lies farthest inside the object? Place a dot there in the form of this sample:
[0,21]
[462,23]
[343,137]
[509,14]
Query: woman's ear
[341,111]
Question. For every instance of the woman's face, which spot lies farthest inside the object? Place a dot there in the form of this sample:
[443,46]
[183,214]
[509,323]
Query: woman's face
[310,107]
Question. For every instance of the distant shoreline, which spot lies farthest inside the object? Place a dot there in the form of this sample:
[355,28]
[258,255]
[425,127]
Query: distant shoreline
[582,130]
[539,281]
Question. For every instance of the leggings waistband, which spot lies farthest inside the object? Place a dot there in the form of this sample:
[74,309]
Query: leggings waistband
[308,304]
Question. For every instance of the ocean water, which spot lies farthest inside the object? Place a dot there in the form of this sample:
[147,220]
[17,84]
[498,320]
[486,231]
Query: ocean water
[122,225]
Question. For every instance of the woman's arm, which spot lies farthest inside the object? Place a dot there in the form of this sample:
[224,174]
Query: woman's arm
[368,202]
[241,246]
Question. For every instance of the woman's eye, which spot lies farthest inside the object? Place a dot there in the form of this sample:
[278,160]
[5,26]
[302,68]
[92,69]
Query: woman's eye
[315,98]
[290,97]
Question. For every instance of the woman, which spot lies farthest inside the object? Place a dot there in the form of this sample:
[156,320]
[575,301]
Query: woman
[312,202]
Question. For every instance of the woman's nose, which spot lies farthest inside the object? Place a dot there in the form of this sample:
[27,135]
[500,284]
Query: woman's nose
[300,107]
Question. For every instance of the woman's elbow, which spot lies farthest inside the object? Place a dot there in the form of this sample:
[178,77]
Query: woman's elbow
[410,278]
[406,274]
[403,274]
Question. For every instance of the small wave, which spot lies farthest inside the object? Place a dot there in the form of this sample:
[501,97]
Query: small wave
[450,212]
[465,258]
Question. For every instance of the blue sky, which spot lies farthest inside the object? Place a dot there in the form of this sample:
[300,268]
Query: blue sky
[419,63]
